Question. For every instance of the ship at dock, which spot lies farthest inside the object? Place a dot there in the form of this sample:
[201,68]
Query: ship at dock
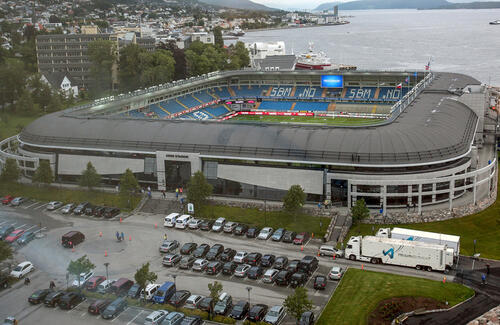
[313,60]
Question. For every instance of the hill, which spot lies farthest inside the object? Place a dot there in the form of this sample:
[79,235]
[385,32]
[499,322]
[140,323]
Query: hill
[384,4]
[238,4]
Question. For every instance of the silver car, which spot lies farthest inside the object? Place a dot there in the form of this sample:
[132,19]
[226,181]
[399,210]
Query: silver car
[335,273]
[168,246]
[275,315]
[54,205]
[171,259]
[18,201]
[68,208]
[200,265]
[194,223]
[242,270]
[270,275]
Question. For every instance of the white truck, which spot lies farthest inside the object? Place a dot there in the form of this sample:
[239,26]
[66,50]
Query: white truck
[451,241]
[379,250]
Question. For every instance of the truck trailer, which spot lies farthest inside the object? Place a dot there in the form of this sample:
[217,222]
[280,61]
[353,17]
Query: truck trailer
[379,250]
[451,241]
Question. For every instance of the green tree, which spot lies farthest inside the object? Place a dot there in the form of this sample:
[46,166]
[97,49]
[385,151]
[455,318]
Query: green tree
[241,52]
[198,190]
[10,171]
[359,211]
[219,41]
[294,199]
[143,276]
[5,251]
[26,105]
[90,178]
[130,67]
[43,174]
[102,54]
[79,266]
[158,69]
[128,185]
[297,303]
[13,77]
[215,290]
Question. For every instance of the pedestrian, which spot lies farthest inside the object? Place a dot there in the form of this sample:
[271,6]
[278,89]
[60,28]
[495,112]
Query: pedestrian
[165,236]
[163,193]
[52,285]
[414,206]
[182,201]
[319,205]
[149,195]
[180,190]
[487,269]
[408,207]
[27,281]
[149,188]
[123,236]
[177,194]
[118,236]
[483,278]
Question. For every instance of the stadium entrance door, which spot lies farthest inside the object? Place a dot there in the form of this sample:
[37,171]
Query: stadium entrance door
[339,192]
[177,173]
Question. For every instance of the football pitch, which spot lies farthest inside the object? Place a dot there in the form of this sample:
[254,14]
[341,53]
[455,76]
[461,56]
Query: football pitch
[308,120]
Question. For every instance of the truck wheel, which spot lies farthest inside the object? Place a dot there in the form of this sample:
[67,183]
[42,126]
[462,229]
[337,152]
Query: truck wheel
[428,269]
[418,267]
[374,260]
[352,257]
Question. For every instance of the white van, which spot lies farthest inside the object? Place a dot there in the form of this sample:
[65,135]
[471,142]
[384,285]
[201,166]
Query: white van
[105,285]
[170,220]
[182,221]
[150,291]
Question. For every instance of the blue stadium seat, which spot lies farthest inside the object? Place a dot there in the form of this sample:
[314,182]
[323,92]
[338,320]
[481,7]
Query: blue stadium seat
[255,91]
[308,92]
[217,110]
[221,93]
[156,109]
[357,93]
[311,106]
[171,106]
[204,96]
[276,106]
[189,101]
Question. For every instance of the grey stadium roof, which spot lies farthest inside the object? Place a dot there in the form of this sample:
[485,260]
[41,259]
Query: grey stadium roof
[434,128]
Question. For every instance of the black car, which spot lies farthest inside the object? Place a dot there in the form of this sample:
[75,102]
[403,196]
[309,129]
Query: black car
[283,278]
[214,252]
[80,208]
[192,320]
[114,308]
[240,230]
[5,231]
[111,212]
[308,264]
[187,262]
[253,259]
[257,313]
[89,210]
[99,211]
[188,248]
[206,225]
[240,310]
[134,291]
[298,279]
[307,318]
[213,268]
[255,272]
[227,255]
[70,300]
[38,296]
[229,267]
[253,232]
[320,282]
[206,304]
[281,262]
[52,299]
[289,236]
[293,266]
[201,251]
[267,260]
[179,298]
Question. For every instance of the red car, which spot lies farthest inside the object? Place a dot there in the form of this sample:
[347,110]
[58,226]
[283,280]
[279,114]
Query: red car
[94,281]
[6,200]
[301,238]
[14,236]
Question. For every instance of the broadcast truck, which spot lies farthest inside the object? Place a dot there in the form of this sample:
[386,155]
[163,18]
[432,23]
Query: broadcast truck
[379,250]
[424,236]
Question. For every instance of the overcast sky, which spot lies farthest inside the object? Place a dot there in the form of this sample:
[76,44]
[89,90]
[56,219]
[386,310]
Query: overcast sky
[311,4]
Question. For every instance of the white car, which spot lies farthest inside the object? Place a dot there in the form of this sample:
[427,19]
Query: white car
[335,273]
[83,278]
[240,257]
[270,275]
[22,269]
[155,317]
[68,208]
[54,205]
[265,233]
[275,315]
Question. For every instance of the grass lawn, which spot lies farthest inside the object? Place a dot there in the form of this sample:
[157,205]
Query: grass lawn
[274,219]
[308,119]
[47,193]
[11,124]
[360,292]
[483,226]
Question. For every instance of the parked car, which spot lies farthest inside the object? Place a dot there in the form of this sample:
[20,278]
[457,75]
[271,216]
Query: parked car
[224,304]
[89,210]
[193,301]
[200,265]
[52,299]
[6,231]
[214,252]
[257,313]
[80,208]
[227,255]
[22,269]
[114,308]
[54,205]
[293,266]
[253,232]
[149,292]
[68,208]
[255,272]
[179,298]
[289,236]
[26,238]
[275,315]
[270,275]
[327,250]
[229,267]
[278,234]
[7,199]
[105,286]
[169,246]
[240,310]
[301,238]
[240,257]
[72,238]
[188,248]
[335,273]
[307,318]
[98,306]
[135,291]
[320,282]
[281,262]
[155,317]
[253,259]
[70,300]
[173,318]
[229,227]
[240,230]
[308,264]
[213,268]
[241,270]
[206,304]
[201,251]
[171,259]
[187,262]
[111,212]
[219,224]
[298,279]
[194,223]
[192,320]
[206,225]
[38,296]
[94,282]
[18,201]
[170,220]
[99,211]
[265,233]
[267,260]
[14,236]
[82,279]
[283,278]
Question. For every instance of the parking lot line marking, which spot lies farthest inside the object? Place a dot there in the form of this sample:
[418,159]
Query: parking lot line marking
[307,242]
[18,227]
[41,206]
[133,319]
[29,206]
[312,276]
[83,314]
[1,223]
[120,314]
[30,228]
[36,231]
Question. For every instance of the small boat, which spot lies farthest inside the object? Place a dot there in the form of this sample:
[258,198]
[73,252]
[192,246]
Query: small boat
[237,31]
[495,22]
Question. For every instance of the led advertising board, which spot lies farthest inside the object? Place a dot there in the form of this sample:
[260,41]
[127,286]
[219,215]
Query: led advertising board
[332,81]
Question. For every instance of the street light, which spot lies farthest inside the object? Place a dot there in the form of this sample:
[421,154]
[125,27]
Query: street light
[107,265]
[249,289]
[174,276]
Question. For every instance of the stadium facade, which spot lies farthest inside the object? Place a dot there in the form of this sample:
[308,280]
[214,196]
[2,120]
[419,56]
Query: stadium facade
[427,150]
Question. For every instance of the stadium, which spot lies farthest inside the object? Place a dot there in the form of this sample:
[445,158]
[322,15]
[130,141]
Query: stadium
[395,139]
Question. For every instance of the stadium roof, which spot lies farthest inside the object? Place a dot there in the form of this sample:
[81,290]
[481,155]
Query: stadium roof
[434,128]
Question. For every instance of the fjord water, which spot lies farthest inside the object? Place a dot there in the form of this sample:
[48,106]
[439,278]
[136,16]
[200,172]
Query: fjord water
[457,40]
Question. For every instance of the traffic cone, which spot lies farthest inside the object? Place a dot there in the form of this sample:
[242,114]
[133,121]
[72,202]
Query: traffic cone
[362,266]
[312,235]
[334,257]
[73,249]
[130,238]
[121,219]
[105,253]
[444,279]
[156,225]
[301,248]
[318,253]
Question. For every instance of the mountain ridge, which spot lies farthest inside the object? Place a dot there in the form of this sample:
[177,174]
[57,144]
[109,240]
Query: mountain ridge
[238,4]
[384,4]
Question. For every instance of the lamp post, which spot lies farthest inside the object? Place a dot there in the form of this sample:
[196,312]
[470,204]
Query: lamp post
[265,212]
[107,265]
[249,289]
[474,247]
[174,276]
